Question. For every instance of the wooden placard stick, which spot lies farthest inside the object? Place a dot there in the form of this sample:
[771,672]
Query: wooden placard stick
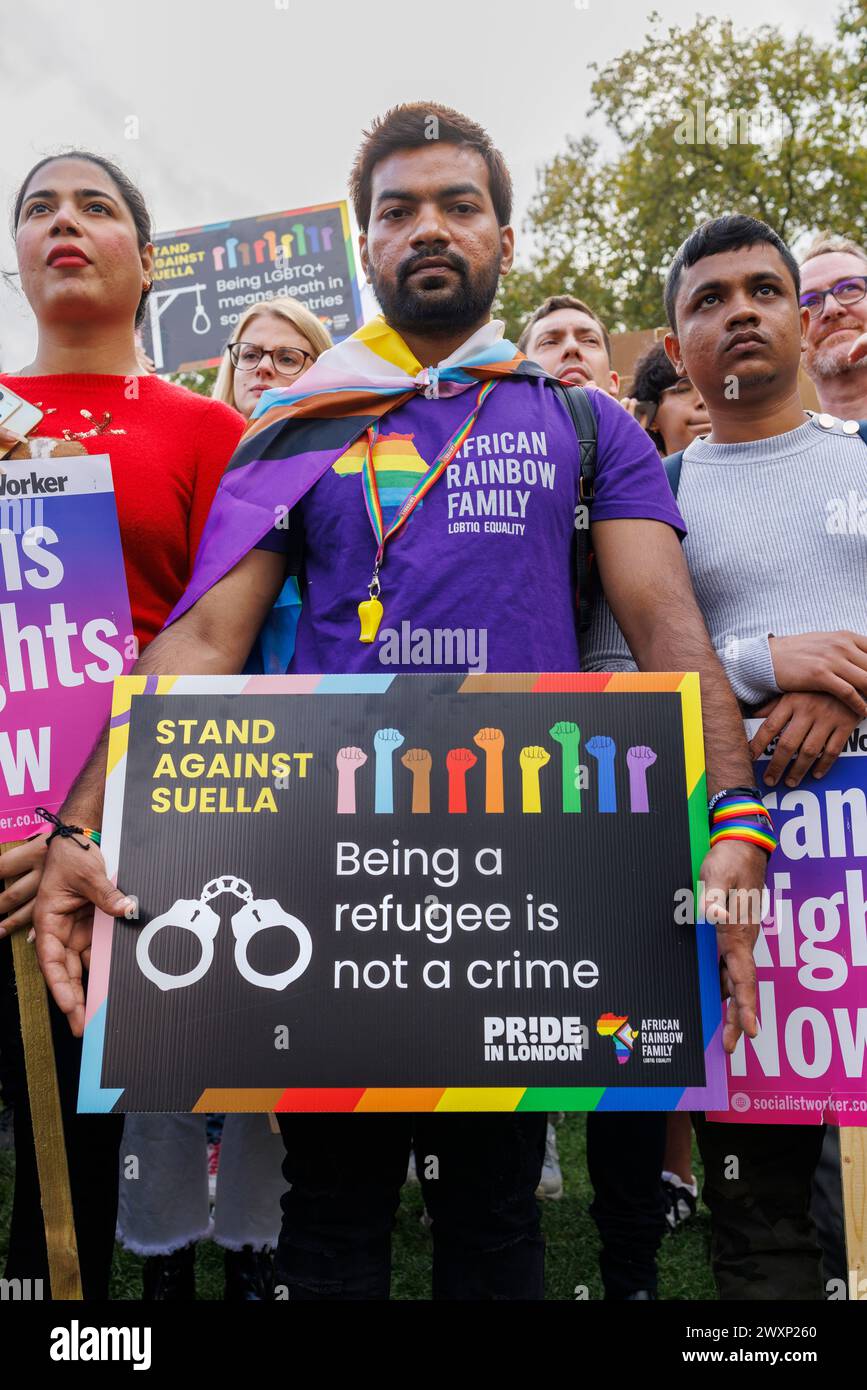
[853,1164]
[47,1118]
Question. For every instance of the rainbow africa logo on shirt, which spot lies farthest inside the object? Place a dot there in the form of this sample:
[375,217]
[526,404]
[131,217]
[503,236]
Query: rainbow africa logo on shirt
[616,1027]
[398,465]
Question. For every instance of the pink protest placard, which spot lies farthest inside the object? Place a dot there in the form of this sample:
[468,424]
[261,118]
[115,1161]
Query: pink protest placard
[65,628]
[807,1065]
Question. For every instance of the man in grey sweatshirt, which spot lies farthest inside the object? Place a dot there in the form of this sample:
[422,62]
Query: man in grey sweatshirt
[784,594]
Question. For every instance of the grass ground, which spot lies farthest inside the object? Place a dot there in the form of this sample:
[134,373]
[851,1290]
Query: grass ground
[572,1246]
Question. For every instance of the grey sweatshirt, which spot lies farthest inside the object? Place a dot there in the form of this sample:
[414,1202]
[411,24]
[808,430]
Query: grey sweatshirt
[776,545]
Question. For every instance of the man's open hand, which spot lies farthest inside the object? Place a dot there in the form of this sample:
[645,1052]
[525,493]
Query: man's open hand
[811,731]
[74,880]
[733,873]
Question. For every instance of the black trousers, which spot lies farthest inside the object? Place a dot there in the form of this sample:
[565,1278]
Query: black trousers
[625,1152]
[92,1144]
[478,1173]
[758,1185]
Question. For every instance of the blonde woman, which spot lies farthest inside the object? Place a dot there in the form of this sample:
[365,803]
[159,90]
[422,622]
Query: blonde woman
[273,344]
[165,1212]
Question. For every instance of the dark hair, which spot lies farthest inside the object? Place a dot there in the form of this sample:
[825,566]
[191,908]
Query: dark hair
[131,195]
[413,125]
[728,233]
[550,306]
[654,374]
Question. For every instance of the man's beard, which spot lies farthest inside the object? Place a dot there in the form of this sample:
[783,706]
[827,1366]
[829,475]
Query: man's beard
[410,309]
[828,362]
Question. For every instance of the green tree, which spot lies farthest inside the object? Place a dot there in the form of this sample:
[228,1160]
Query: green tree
[707,121]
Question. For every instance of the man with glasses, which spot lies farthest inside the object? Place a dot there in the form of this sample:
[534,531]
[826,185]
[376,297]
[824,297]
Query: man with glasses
[834,289]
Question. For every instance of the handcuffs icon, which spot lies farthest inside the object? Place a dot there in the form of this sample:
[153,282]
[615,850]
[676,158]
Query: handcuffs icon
[194,914]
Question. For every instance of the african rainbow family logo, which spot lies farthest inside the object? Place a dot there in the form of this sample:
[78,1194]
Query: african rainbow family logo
[618,1029]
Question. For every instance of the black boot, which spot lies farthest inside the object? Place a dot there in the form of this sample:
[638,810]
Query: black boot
[170,1278]
[249,1275]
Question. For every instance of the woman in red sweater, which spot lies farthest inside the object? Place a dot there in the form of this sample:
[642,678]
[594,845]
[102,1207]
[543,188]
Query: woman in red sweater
[82,233]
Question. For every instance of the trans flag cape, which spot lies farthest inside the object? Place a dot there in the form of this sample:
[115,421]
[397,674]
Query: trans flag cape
[295,436]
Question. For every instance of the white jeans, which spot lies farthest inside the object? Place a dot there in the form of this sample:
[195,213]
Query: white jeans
[163,1203]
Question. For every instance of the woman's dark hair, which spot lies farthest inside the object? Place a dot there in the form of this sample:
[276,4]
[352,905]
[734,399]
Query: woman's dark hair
[729,233]
[653,375]
[131,195]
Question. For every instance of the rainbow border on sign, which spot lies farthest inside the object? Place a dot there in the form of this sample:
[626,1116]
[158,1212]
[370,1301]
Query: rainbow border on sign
[93,1097]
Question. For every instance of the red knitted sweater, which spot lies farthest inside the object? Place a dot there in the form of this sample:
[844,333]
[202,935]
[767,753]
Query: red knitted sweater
[168,450]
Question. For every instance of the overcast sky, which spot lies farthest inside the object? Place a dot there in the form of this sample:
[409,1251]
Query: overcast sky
[253,106]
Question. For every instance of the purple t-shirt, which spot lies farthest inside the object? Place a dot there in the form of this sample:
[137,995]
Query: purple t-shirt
[482,575]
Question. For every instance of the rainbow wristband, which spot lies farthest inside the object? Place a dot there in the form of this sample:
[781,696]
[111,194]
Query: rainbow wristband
[93,835]
[737,807]
[742,818]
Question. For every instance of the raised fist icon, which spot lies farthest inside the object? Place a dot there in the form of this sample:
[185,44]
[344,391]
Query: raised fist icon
[640,755]
[417,760]
[639,760]
[348,760]
[458,763]
[385,744]
[387,740]
[351,758]
[532,759]
[461,759]
[568,735]
[490,740]
[601,746]
[604,750]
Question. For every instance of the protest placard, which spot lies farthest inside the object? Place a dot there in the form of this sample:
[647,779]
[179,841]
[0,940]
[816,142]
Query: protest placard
[807,1064]
[65,628]
[404,893]
[205,278]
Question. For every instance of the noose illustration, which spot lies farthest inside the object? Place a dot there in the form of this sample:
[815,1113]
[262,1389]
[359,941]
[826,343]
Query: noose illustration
[195,915]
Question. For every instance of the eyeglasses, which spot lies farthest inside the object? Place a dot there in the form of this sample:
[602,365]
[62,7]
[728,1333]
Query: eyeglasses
[286,361]
[679,388]
[845,292]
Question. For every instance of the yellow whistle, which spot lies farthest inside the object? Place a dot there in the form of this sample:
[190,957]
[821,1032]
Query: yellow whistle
[370,613]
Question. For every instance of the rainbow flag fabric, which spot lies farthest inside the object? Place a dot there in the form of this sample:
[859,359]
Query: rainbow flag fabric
[295,436]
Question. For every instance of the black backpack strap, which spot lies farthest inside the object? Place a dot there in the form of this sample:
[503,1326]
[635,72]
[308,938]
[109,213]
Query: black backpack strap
[583,418]
[672,466]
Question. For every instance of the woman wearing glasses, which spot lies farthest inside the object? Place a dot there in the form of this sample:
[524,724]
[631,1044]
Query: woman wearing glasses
[166,1211]
[274,343]
[668,406]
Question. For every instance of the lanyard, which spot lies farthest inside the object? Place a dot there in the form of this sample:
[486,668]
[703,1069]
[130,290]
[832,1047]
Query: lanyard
[370,609]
